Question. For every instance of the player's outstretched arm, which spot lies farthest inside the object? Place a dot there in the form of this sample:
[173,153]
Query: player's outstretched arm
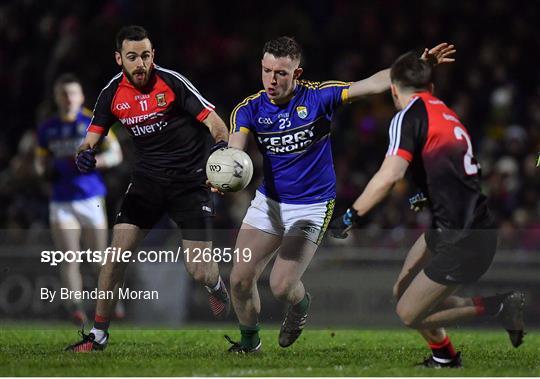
[392,170]
[380,82]
[217,127]
[375,84]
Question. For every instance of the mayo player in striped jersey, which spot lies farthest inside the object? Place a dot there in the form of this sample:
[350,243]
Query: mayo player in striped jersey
[290,120]
[459,248]
[170,123]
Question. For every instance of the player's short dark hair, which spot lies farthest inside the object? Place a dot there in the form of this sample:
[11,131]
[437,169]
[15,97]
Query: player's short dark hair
[411,72]
[130,33]
[66,78]
[283,47]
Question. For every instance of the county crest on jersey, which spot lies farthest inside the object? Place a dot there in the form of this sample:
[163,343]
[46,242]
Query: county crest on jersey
[294,139]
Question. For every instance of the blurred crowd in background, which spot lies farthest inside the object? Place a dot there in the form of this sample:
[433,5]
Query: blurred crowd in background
[494,86]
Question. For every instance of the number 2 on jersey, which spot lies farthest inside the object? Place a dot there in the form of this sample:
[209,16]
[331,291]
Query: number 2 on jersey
[470,167]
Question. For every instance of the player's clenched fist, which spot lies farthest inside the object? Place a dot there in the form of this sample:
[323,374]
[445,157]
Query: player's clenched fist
[86,160]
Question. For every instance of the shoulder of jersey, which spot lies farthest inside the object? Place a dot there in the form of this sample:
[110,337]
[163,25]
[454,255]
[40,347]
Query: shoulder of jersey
[415,103]
[87,112]
[250,99]
[174,75]
[48,122]
[113,82]
[244,104]
[162,71]
[116,78]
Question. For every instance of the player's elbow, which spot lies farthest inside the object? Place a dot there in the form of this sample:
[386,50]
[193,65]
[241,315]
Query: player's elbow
[389,178]
[392,175]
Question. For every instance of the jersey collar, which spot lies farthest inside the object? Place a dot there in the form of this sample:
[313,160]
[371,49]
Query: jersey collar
[69,119]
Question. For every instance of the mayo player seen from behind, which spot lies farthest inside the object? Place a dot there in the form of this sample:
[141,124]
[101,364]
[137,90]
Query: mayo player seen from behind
[290,120]
[170,123]
[428,136]
[77,205]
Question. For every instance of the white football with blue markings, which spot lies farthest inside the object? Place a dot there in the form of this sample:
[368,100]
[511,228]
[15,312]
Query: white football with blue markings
[229,169]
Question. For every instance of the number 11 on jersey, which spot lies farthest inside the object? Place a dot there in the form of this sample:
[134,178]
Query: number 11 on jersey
[144,105]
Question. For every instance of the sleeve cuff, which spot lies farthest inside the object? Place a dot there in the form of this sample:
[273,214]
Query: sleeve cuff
[204,114]
[404,154]
[345,95]
[96,129]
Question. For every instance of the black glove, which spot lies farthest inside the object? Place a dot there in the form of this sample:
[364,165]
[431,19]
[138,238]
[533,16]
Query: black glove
[86,160]
[219,145]
[418,202]
[340,225]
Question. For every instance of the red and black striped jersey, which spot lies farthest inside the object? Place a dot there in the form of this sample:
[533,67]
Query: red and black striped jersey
[430,136]
[164,120]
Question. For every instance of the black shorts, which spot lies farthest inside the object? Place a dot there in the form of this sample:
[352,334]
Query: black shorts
[460,257]
[189,205]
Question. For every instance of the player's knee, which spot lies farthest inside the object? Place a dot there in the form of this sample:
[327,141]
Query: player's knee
[407,317]
[241,283]
[280,289]
[199,275]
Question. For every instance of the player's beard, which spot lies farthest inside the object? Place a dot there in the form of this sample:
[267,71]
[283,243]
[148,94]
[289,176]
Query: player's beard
[133,79]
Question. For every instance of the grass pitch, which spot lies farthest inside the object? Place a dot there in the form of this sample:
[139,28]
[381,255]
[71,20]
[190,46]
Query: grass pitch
[202,352]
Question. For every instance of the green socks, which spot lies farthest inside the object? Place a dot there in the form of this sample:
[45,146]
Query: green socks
[250,336]
[302,306]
